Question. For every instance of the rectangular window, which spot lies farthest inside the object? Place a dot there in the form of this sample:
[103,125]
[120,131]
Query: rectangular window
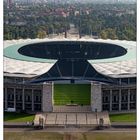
[37,107]
[132,98]
[10,104]
[124,106]
[106,96]
[27,98]
[10,97]
[106,107]
[115,107]
[132,105]
[124,95]
[19,106]
[36,99]
[132,80]
[16,97]
[132,95]
[28,106]
[115,96]
[124,81]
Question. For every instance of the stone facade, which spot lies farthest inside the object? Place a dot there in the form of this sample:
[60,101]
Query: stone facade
[40,97]
[96,97]
[47,97]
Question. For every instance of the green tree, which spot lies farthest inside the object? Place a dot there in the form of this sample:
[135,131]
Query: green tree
[108,33]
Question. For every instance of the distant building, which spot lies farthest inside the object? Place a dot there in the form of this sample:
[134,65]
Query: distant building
[76,13]
[9,3]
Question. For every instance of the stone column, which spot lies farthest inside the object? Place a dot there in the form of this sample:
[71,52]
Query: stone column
[5,94]
[47,105]
[120,98]
[14,98]
[96,97]
[128,99]
[23,102]
[32,100]
[110,100]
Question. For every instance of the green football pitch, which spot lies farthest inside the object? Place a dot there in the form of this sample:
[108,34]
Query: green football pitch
[72,93]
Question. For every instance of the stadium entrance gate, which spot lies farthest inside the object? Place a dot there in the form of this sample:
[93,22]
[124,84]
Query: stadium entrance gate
[92,102]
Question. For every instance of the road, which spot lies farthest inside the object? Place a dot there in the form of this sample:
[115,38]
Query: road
[70,130]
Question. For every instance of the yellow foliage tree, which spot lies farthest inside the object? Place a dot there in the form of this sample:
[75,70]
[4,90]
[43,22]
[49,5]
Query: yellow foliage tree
[41,34]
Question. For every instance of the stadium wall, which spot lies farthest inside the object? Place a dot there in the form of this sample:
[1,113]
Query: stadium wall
[34,98]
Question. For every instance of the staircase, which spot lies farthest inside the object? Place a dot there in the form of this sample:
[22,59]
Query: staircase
[70,108]
[73,119]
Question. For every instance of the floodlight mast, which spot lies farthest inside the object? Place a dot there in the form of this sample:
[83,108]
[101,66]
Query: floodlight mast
[65,24]
[80,23]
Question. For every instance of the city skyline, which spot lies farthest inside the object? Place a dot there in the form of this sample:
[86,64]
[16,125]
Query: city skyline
[74,1]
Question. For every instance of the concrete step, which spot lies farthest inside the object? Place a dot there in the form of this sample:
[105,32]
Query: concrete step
[73,119]
[72,109]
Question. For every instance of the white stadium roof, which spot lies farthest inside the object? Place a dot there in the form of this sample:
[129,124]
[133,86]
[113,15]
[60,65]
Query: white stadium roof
[124,66]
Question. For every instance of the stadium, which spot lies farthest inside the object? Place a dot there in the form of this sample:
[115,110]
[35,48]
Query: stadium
[70,75]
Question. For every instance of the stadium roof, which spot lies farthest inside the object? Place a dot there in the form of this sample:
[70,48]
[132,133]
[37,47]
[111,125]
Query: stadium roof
[124,66]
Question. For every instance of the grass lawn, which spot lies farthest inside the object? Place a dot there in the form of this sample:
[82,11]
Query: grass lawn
[17,117]
[69,136]
[130,117]
[78,93]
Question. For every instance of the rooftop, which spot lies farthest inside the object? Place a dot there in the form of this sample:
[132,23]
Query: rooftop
[14,62]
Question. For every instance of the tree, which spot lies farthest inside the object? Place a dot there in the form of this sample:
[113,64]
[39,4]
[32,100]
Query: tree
[41,34]
[103,34]
[108,33]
